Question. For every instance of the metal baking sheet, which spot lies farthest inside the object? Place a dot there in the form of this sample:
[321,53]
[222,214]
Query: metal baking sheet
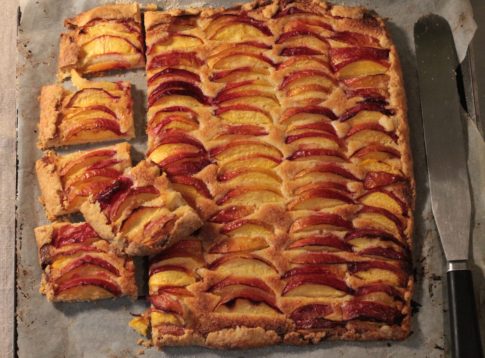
[100,329]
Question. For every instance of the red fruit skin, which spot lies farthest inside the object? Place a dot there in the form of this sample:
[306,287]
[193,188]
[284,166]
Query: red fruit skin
[318,279]
[309,109]
[173,59]
[371,311]
[113,288]
[321,240]
[375,180]
[246,281]
[168,72]
[366,106]
[166,303]
[72,234]
[90,260]
[312,317]
[78,93]
[196,183]
[181,88]
[340,57]
[230,213]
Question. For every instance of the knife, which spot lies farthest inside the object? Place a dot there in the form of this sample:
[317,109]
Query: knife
[448,174]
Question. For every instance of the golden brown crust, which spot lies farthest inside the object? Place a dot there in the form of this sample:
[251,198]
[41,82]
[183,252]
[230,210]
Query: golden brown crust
[50,101]
[372,171]
[78,266]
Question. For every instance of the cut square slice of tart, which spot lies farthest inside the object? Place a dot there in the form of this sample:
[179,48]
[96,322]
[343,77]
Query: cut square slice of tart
[101,39]
[140,212]
[67,181]
[96,112]
[77,265]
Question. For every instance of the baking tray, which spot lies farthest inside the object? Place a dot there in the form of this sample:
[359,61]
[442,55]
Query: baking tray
[100,329]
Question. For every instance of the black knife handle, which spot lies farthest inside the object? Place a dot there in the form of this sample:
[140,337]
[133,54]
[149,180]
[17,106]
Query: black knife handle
[465,333]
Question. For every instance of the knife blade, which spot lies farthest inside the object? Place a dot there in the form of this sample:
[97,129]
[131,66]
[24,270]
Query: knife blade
[448,173]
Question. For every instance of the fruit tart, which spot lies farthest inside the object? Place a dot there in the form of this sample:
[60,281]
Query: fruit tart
[139,212]
[96,112]
[79,266]
[104,38]
[283,123]
[67,181]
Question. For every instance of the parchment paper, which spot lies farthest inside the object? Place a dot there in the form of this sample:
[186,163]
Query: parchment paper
[100,329]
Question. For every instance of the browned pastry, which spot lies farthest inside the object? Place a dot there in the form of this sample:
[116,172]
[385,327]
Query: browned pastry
[97,112]
[67,181]
[78,266]
[284,124]
[140,213]
[104,38]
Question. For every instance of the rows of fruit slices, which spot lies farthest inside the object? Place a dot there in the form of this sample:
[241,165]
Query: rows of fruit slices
[287,146]
[310,207]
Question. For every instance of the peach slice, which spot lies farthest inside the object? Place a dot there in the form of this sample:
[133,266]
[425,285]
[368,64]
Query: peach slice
[323,270]
[319,198]
[372,311]
[186,167]
[373,81]
[166,303]
[305,77]
[377,152]
[300,51]
[231,28]
[91,130]
[317,258]
[314,140]
[243,149]
[312,285]
[177,88]
[68,235]
[90,97]
[242,59]
[166,320]
[239,74]
[320,221]
[243,265]
[261,177]
[366,107]
[231,213]
[137,220]
[247,307]
[172,73]
[386,200]
[88,288]
[239,244]
[362,68]
[346,38]
[168,153]
[303,63]
[250,196]
[290,114]
[366,235]
[132,200]
[242,130]
[241,281]
[250,162]
[243,114]
[73,166]
[109,44]
[316,241]
[342,57]
[379,287]
[322,153]
[331,168]
[175,58]
[365,133]
[185,42]
[170,278]
[247,228]
[390,275]
[379,219]
[375,180]
[312,316]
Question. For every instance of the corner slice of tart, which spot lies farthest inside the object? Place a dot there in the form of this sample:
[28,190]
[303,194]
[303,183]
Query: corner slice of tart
[140,212]
[102,39]
[77,265]
[67,181]
[96,112]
